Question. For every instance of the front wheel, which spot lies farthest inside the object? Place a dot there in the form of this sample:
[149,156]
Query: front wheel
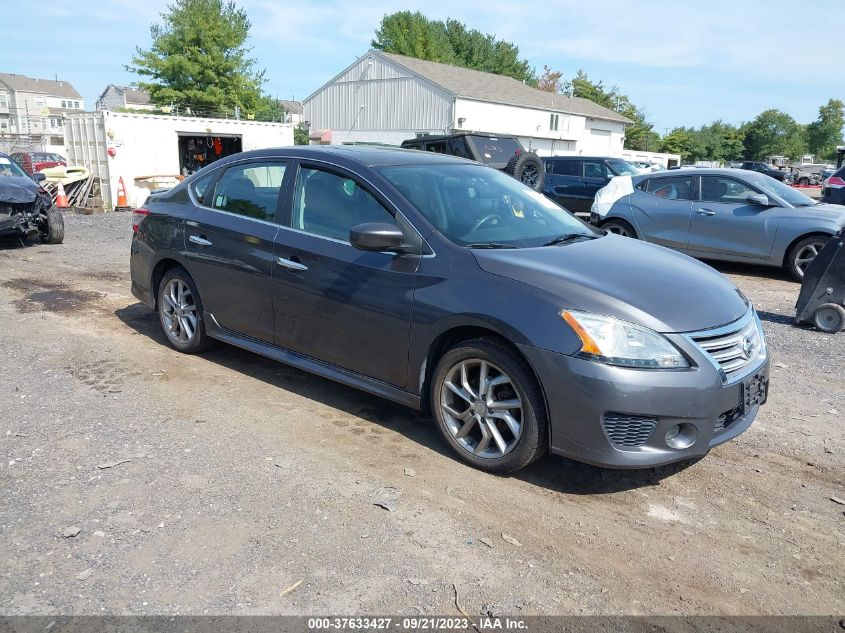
[619,227]
[180,312]
[489,407]
[802,254]
[51,228]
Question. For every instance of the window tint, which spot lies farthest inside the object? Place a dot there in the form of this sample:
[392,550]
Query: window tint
[458,147]
[330,205]
[566,167]
[438,147]
[725,190]
[595,169]
[251,189]
[199,187]
[677,188]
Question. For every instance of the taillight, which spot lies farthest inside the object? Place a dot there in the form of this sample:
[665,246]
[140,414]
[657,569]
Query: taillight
[137,216]
[835,182]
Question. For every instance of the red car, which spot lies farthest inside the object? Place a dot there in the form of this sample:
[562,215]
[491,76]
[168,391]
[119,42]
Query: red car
[36,161]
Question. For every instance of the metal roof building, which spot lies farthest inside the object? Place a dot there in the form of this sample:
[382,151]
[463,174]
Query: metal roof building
[387,98]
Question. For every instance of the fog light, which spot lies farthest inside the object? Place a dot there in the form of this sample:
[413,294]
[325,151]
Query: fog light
[681,436]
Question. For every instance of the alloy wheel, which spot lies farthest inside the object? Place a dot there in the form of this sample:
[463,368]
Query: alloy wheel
[179,312]
[530,175]
[619,229]
[481,408]
[807,254]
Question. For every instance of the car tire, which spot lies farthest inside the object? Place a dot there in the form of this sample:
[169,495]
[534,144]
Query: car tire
[482,436]
[619,227]
[180,312]
[527,168]
[51,229]
[803,181]
[830,318]
[802,253]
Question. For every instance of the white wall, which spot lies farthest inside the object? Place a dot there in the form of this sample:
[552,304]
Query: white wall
[147,145]
[652,157]
[576,134]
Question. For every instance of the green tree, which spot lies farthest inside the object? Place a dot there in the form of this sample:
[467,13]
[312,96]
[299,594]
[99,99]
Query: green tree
[676,142]
[774,133]
[300,135]
[451,42]
[199,60]
[413,34]
[825,133]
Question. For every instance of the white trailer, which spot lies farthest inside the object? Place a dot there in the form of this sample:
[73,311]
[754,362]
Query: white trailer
[140,148]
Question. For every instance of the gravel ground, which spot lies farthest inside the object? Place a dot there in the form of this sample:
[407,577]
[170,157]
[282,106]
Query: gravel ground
[136,480]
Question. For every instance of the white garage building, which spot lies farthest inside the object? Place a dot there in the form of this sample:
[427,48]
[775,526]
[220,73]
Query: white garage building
[387,98]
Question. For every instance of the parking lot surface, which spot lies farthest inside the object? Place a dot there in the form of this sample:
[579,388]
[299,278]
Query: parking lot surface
[139,480]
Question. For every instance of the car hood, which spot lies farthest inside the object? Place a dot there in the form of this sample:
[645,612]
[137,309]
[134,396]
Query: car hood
[624,278]
[17,189]
[835,212]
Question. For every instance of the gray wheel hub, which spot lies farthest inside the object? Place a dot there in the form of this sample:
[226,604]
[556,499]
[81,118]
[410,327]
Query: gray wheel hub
[178,312]
[481,408]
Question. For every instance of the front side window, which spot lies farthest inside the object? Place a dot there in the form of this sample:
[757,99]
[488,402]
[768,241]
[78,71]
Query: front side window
[595,169]
[476,206]
[250,189]
[329,204]
[622,167]
[675,188]
[724,190]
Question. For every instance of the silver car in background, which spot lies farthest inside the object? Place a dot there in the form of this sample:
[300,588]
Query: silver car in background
[721,214]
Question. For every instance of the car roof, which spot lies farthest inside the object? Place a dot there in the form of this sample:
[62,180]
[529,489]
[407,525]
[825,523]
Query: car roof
[441,137]
[366,155]
[583,158]
[702,171]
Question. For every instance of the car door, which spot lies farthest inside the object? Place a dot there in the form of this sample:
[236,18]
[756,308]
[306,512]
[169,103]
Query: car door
[662,208]
[724,223]
[563,183]
[333,302]
[596,175]
[229,242]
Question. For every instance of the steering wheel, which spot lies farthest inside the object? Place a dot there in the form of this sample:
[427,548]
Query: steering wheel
[485,220]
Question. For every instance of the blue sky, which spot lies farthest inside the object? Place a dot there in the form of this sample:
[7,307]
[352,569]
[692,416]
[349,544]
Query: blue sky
[686,63]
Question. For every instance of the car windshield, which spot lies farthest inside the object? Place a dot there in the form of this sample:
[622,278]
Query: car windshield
[481,207]
[621,167]
[784,192]
[492,150]
[8,167]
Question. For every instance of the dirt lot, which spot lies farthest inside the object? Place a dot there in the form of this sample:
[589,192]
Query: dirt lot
[213,484]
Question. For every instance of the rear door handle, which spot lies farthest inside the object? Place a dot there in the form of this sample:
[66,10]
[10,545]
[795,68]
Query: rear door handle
[705,212]
[201,241]
[290,264]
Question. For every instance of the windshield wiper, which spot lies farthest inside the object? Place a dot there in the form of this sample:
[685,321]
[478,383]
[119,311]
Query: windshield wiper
[569,237]
[489,245]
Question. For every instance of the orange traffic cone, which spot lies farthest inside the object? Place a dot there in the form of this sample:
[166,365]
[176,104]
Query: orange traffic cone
[61,197]
[121,194]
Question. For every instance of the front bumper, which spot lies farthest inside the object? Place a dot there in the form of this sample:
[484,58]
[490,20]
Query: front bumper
[589,401]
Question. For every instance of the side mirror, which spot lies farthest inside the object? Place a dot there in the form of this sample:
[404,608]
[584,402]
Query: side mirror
[760,199]
[39,177]
[375,236]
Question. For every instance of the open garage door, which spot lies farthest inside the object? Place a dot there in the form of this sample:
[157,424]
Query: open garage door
[197,151]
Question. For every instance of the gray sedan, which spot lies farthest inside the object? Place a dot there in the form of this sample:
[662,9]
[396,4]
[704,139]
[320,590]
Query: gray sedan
[722,214]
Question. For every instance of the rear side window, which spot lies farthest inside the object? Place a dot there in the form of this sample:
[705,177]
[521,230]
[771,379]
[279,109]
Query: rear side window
[200,187]
[250,189]
[566,167]
[676,188]
[439,147]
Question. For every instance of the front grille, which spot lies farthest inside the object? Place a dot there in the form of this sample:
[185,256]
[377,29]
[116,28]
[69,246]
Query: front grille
[733,347]
[628,430]
[728,418]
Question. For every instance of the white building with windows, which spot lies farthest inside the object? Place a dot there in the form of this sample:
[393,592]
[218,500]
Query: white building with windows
[32,113]
[387,98]
[122,98]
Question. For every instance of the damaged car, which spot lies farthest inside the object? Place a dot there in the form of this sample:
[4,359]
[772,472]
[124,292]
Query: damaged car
[26,208]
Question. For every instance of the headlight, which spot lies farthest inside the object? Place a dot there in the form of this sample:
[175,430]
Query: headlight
[616,342]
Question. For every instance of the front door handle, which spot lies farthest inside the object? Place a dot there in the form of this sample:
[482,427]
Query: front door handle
[705,212]
[200,241]
[291,264]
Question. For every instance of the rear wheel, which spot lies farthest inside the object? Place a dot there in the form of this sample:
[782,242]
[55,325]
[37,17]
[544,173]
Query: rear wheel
[803,181]
[489,407]
[180,312]
[803,253]
[51,229]
[620,227]
[830,318]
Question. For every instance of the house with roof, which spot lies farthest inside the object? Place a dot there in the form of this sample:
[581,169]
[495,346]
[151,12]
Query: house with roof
[292,110]
[387,98]
[121,98]
[32,112]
